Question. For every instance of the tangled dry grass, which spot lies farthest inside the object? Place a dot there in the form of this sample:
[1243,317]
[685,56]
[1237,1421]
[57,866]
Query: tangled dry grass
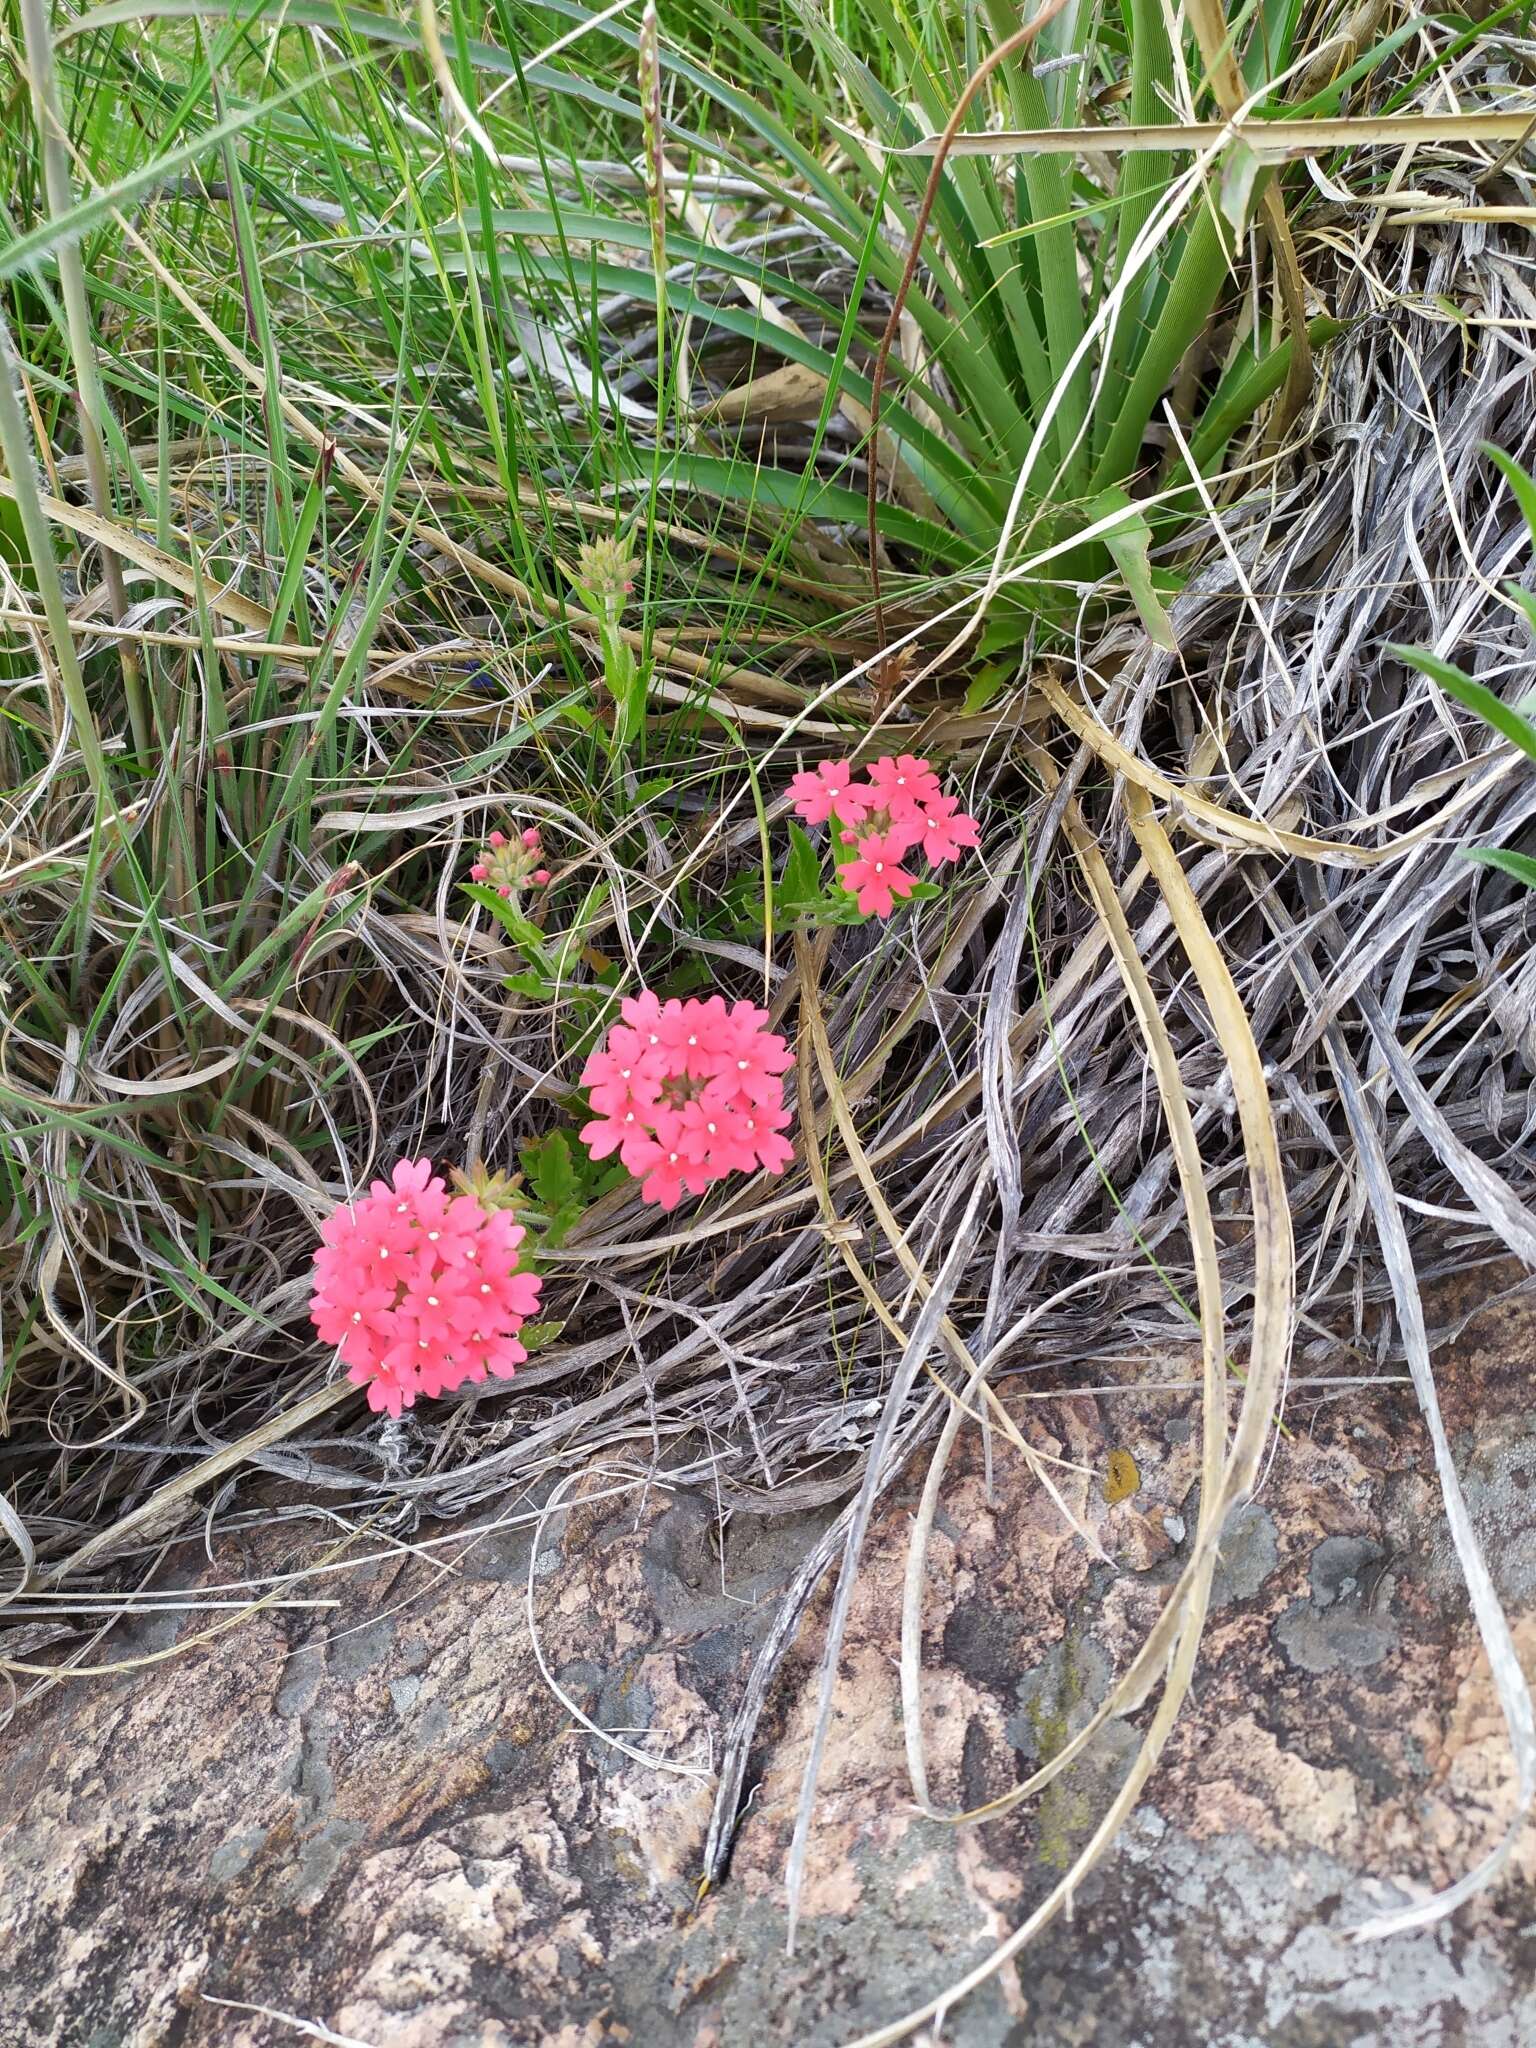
[1226,987]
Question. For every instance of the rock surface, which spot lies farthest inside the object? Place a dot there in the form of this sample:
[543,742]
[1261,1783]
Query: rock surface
[377,1821]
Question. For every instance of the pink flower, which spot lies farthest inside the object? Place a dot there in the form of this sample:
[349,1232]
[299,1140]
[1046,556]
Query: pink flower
[900,807]
[626,1073]
[875,876]
[827,788]
[687,1092]
[694,1036]
[420,1291]
[947,831]
[643,1014]
[666,1174]
[763,1127]
[902,785]
[627,1134]
[714,1130]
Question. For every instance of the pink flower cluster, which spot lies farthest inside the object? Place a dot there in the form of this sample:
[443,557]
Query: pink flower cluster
[510,864]
[688,1092]
[420,1290]
[898,808]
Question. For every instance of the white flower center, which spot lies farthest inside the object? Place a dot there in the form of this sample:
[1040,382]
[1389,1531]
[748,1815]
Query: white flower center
[433,1302]
[357,1315]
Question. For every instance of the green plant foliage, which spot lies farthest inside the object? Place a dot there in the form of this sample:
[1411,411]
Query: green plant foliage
[564,1182]
[1054,306]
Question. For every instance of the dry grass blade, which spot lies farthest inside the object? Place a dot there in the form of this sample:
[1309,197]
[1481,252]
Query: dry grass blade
[1226,823]
[1275,141]
[1268,1363]
[1513,1692]
[1131,1688]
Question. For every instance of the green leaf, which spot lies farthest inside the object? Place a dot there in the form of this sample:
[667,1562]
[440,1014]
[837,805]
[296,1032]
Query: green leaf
[1520,865]
[1520,481]
[540,1335]
[1239,175]
[1130,543]
[626,682]
[552,1172]
[801,883]
[986,684]
[1458,684]
[512,921]
[561,1223]
[784,490]
[529,982]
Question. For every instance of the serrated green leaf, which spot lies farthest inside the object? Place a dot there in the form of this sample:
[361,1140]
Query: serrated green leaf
[552,1172]
[561,1222]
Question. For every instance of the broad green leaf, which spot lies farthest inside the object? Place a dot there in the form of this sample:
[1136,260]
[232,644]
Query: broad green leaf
[538,988]
[986,684]
[801,882]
